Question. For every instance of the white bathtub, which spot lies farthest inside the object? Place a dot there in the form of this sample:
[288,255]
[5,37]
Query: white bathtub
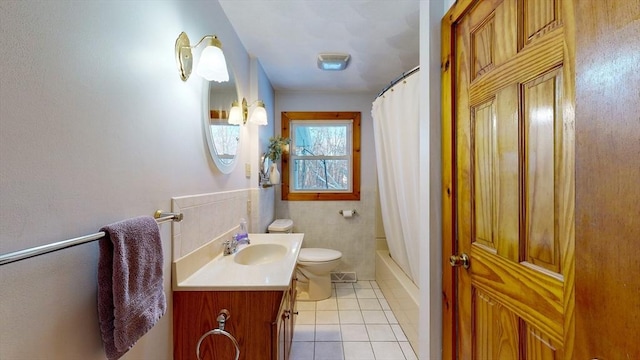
[401,294]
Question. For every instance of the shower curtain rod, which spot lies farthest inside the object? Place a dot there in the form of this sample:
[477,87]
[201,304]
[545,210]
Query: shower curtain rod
[398,79]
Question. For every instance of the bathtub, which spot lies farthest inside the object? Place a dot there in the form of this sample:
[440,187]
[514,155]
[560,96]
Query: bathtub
[401,294]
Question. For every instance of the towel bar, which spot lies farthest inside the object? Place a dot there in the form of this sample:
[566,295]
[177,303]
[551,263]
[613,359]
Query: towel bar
[8,258]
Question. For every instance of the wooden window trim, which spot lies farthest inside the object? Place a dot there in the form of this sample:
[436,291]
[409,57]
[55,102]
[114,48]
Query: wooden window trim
[287,117]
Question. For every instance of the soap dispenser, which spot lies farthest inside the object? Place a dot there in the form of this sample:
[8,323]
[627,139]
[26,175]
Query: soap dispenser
[243,233]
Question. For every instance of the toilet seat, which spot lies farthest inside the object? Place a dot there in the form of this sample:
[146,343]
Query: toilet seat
[318,255]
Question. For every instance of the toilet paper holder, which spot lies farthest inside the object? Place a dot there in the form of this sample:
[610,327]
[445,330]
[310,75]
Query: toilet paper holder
[353,212]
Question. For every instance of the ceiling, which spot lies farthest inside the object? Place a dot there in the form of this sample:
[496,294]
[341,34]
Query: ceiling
[287,35]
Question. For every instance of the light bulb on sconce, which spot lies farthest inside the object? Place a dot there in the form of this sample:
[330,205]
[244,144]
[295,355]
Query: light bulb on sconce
[239,113]
[212,65]
[236,114]
[259,114]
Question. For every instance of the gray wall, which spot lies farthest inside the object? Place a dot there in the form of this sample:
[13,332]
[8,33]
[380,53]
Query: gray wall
[95,127]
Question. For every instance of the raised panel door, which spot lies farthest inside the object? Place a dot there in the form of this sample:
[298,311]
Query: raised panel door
[512,183]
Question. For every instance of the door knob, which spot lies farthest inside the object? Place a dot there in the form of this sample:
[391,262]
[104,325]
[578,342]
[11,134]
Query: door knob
[460,260]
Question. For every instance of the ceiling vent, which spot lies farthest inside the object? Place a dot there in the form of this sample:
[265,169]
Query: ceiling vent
[333,61]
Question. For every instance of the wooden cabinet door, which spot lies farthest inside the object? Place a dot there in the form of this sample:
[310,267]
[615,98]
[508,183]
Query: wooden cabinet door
[291,298]
[281,335]
[284,324]
[511,185]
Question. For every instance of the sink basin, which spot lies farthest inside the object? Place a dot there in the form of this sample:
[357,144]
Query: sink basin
[260,254]
[266,264]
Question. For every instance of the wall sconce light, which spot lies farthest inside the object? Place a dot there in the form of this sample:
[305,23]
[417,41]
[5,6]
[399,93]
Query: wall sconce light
[212,65]
[239,113]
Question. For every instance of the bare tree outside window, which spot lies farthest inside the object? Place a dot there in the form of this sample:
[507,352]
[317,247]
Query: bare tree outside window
[323,162]
[225,138]
[321,157]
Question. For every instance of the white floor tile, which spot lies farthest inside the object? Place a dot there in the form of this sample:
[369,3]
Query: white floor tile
[327,317]
[369,304]
[350,317]
[384,304]
[366,293]
[374,317]
[327,304]
[328,333]
[356,323]
[329,351]
[358,351]
[354,333]
[348,304]
[380,333]
[302,350]
[397,330]
[344,285]
[391,317]
[306,317]
[387,351]
[345,293]
[408,351]
[302,332]
[364,284]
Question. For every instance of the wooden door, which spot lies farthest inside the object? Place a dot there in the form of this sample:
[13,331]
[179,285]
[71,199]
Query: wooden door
[607,179]
[509,191]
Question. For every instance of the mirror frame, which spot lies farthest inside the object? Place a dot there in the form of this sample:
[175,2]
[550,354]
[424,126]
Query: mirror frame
[221,165]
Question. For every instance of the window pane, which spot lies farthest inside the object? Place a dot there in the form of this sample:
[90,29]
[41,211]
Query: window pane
[225,139]
[317,175]
[320,140]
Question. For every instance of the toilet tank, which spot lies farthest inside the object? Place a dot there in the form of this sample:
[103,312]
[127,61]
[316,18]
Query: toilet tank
[281,226]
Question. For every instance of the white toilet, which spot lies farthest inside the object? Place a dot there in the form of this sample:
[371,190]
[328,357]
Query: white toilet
[314,266]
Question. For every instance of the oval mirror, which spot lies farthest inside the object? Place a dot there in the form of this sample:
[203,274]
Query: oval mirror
[223,139]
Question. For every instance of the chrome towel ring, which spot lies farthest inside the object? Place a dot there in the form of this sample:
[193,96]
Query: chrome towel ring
[222,318]
[218,332]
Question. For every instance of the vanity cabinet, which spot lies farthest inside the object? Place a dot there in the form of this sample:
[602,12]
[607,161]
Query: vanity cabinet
[261,321]
[285,322]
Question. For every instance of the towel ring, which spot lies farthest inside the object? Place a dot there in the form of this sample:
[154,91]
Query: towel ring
[218,332]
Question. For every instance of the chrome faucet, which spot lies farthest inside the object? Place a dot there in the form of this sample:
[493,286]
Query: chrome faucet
[231,246]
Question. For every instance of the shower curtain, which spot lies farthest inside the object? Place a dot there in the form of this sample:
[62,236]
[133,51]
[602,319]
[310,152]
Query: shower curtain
[395,125]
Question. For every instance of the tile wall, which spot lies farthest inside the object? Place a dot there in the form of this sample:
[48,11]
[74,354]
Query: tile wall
[324,227]
[209,216]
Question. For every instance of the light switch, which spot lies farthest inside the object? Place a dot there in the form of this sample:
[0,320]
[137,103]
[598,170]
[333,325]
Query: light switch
[247,170]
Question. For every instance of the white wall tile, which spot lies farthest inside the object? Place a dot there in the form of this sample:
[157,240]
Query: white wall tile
[206,217]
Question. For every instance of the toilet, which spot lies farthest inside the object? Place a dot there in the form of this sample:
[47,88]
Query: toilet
[314,266]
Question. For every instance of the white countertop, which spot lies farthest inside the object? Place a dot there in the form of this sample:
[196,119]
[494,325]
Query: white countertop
[222,273]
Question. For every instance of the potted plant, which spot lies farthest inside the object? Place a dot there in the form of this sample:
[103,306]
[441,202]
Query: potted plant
[277,145]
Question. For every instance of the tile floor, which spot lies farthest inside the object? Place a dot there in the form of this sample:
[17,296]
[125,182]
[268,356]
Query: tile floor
[355,323]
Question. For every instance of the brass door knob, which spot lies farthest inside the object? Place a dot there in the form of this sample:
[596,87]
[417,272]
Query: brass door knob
[460,260]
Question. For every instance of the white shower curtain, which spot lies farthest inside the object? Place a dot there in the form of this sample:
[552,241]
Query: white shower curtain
[395,125]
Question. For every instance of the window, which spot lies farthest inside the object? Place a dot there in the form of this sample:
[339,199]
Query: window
[323,162]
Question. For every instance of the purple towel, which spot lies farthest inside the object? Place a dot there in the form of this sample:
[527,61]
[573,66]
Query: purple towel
[130,286]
